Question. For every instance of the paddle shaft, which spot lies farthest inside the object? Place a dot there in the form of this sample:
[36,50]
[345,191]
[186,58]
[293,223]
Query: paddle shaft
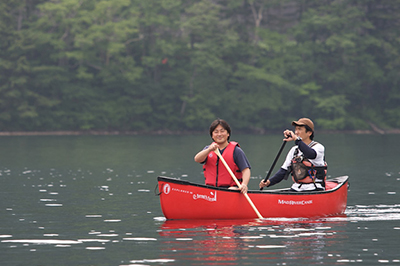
[273,164]
[237,183]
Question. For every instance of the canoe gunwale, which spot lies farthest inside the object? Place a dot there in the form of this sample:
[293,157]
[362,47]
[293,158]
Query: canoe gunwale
[342,180]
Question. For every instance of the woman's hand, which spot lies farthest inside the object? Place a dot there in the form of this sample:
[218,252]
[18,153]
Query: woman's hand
[243,188]
[213,147]
[201,156]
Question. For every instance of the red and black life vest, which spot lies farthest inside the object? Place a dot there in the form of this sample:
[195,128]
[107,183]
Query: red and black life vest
[304,172]
[215,171]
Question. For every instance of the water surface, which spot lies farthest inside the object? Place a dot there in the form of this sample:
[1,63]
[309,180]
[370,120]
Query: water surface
[89,200]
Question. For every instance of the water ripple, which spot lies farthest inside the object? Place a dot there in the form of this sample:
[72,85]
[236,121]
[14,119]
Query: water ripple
[373,212]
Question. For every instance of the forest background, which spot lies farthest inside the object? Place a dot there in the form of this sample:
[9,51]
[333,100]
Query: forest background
[176,65]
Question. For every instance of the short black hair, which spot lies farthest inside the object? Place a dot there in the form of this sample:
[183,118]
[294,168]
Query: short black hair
[309,129]
[221,122]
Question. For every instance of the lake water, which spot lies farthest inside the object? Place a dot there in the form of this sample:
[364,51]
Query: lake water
[89,200]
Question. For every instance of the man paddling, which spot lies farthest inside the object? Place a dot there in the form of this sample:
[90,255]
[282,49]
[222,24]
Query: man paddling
[305,161]
[215,172]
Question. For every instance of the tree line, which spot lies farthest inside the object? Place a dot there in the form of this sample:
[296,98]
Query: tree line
[134,65]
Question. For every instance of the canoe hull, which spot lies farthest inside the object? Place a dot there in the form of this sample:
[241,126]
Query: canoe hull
[185,200]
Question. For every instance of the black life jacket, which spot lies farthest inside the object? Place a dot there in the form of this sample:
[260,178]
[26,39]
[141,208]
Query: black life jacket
[304,172]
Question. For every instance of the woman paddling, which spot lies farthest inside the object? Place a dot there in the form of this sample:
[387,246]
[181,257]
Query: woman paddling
[215,172]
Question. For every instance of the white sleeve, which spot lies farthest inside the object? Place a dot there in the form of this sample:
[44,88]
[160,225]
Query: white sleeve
[289,157]
[320,159]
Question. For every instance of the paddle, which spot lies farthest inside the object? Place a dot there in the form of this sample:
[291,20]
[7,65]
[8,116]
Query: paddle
[273,164]
[237,183]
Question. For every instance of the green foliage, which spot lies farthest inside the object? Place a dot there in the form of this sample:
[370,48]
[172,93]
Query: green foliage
[178,65]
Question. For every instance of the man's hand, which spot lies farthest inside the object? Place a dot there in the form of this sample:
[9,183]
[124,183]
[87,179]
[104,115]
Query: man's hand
[264,184]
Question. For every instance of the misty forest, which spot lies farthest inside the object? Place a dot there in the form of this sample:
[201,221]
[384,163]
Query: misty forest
[176,65]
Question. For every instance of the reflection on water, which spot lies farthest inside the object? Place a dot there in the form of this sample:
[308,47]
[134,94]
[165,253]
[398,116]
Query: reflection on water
[90,201]
[235,241]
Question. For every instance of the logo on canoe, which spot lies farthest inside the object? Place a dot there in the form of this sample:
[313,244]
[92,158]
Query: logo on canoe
[211,198]
[166,189]
[295,202]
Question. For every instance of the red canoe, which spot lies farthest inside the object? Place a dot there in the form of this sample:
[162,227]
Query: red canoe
[185,200]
